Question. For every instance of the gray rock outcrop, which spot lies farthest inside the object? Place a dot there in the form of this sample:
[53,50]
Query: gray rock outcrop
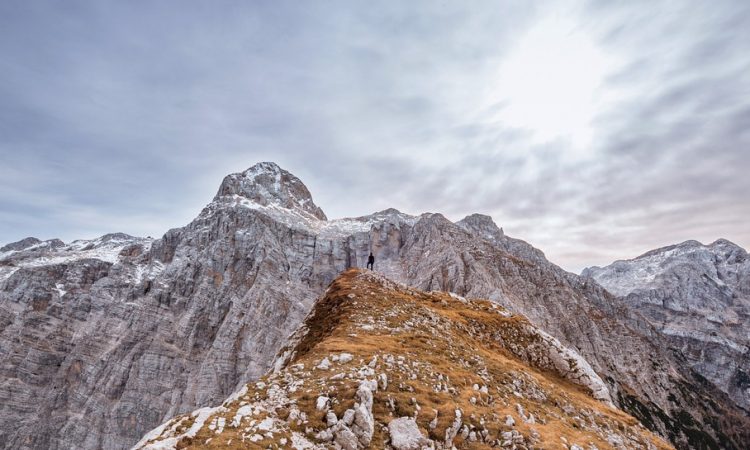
[405,434]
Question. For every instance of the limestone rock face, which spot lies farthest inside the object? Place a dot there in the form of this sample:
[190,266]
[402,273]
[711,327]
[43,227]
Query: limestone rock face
[268,185]
[698,298]
[102,340]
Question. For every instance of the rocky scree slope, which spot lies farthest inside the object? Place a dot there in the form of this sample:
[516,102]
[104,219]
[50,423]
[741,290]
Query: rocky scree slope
[698,298]
[381,365]
[101,346]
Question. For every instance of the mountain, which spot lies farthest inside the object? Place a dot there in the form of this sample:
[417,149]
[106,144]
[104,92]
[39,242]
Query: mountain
[698,298]
[103,340]
[381,365]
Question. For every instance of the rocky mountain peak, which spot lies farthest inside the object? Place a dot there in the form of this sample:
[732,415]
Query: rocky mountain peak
[268,185]
[481,225]
[671,249]
[641,270]
[388,212]
[723,243]
[20,245]
[113,237]
[728,249]
[32,244]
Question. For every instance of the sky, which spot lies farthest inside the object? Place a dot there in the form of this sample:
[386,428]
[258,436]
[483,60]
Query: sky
[595,130]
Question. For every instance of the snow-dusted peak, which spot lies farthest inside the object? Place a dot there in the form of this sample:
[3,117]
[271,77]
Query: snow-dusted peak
[724,243]
[351,225]
[106,248]
[108,241]
[20,245]
[671,249]
[268,185]
[728,250]
[30,245]
[721,262]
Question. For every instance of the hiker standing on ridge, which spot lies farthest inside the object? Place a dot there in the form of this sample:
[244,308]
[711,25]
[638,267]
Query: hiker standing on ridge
[371,262]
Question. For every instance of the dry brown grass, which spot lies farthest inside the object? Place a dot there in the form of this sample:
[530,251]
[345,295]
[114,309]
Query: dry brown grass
[443,340]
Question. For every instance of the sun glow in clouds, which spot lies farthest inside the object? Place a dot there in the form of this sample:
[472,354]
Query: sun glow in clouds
[549,83]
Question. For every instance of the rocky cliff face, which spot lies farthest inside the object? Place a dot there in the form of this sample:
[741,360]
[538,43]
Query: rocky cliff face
[698,298]
[381,365]
[105,339]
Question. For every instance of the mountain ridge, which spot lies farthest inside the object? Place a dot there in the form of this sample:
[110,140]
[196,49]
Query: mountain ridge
[391,348]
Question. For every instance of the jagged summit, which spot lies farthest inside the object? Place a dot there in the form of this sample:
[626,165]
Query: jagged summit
[379,365]
[268,185]
[482,225]
[20,245]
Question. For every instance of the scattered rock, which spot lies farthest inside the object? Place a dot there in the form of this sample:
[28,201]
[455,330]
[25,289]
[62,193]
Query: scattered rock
[405,434]
[322,403]
[346,439]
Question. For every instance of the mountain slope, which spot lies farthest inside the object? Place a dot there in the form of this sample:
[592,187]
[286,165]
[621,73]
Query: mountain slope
[99,349]
[380,365]
[103,347]
[698,297]
[645,377]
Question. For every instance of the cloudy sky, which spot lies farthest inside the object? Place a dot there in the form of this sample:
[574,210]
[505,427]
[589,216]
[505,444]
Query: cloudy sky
[594,130]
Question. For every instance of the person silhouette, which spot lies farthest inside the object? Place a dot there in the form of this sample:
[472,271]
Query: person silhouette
[371,262]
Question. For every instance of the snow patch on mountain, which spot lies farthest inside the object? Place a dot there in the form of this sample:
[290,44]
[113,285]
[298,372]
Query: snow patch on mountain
[268,185]
[718,261]
[148,271]
[105,248]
